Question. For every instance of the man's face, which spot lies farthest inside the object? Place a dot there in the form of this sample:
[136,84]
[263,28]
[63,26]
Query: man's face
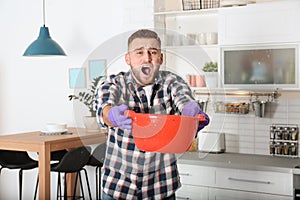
[144,58]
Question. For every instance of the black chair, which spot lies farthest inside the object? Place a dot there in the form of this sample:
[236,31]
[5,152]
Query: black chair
[17,160]
[57,155]
[73,161]
[96,160]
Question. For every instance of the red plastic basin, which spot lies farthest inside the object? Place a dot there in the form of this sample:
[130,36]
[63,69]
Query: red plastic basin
[163,133]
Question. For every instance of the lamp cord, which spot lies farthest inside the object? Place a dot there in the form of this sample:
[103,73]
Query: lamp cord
[44,12]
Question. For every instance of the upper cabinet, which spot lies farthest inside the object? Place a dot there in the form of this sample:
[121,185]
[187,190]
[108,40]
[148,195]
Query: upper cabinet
[194,37]
[190,37]
[275,22]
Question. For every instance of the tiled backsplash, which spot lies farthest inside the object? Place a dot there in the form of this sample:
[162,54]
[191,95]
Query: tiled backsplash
[247,133]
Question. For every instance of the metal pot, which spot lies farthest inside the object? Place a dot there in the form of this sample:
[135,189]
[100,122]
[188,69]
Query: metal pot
[259,108]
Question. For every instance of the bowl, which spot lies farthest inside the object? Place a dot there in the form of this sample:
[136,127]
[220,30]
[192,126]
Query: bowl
[163,133]
[56,127]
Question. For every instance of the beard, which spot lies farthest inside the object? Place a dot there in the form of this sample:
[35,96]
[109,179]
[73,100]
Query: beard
[145,74]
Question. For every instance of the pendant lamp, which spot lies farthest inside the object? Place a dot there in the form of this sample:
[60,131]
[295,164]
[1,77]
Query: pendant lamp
[44,45]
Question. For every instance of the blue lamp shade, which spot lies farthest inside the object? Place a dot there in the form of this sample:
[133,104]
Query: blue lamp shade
[44,45]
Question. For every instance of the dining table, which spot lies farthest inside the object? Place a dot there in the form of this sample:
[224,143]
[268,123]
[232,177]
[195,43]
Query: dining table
[44,144]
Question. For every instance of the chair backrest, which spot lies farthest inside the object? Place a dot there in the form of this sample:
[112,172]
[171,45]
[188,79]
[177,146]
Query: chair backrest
[73,160]
[98,155]
[8,158]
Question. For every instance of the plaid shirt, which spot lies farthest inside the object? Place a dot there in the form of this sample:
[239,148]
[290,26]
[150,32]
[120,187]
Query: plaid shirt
[130,173]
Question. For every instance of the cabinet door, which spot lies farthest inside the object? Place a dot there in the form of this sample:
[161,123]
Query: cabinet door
[191,192]
[256,181]
[260,23]
[196,175]
[223,194]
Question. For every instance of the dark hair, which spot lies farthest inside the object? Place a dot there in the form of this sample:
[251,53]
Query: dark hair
[144,33]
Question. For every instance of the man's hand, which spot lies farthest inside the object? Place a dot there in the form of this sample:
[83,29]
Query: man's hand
[192,109]
[118,119]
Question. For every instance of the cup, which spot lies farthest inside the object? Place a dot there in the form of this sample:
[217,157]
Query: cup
[200,81]
[193,80]
[202,38]
[56,127]
[191,38]
[212,38]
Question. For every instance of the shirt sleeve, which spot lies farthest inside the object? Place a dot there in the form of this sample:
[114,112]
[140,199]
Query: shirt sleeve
[108,93]
[180,91]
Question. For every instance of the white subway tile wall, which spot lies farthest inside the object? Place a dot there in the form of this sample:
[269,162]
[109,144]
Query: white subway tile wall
[247,133]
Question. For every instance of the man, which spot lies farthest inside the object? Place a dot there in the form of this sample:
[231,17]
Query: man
[130,173]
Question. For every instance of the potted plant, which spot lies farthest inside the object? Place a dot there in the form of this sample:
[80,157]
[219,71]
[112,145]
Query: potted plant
[88,98]
[210,70]
[210,67]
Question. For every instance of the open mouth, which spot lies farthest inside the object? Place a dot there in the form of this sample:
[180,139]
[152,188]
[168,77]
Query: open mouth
[146,70]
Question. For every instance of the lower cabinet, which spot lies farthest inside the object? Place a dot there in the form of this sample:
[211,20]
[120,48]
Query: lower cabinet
[215,183]
[191,192]
[224,194]
[256,181]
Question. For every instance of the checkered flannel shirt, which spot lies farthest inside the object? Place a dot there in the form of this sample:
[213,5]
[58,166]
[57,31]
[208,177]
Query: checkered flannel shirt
[129,173]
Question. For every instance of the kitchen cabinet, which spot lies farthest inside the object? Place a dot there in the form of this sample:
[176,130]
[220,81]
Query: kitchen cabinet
[195,181]
[192,192]
[269,23]
[182,31]
[205,182]
[255,181]
[225,194]
[275,22]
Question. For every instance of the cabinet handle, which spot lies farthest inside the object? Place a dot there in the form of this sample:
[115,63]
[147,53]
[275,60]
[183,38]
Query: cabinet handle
[248,180]
[184,174]
[186,198]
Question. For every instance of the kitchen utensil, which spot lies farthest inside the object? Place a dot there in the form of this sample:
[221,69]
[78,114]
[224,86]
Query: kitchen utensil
[163,133]
[56,127]
[203,104]
[259,108]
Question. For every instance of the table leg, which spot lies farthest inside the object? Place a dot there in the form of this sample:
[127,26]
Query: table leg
[44,173]
[71,184]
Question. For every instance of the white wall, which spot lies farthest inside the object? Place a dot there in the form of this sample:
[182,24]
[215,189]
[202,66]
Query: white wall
[34,91]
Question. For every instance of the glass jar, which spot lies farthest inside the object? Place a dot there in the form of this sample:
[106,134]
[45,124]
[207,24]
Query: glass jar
[294,134]
[286,148]
[293,149]
[279,135]
[278,148]
[286,135]
[272,148]
[272,134]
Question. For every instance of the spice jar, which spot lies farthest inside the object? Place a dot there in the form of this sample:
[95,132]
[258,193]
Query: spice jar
[286,135]
[278,148]
[272,148]
[286,147]
[278,135]
[293,149]
[294,134]
[272,134]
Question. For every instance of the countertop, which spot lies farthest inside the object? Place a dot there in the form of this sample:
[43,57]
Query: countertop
[241,161]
